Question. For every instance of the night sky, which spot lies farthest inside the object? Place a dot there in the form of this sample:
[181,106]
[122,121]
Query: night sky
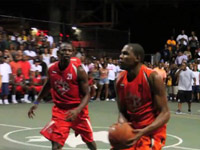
[151,22]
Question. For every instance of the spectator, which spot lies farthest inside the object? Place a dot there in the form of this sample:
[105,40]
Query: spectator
[171,43]
[180,57]
[182,40]
[111,77]
[193,43]
[103,72]
[6,74]
[19,86]
[161,72]
[195,87]
[165,54]
[36,84]
[185,77]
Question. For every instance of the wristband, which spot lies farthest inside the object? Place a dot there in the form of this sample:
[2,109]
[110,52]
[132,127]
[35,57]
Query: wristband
[36,102]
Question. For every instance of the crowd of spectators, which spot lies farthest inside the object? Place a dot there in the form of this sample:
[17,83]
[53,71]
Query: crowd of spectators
[24,59]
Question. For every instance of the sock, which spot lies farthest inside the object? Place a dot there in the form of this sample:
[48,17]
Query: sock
[26,97]
[13,97]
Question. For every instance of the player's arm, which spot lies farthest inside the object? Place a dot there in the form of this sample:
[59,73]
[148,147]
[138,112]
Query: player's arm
[84,91]
[44,92]
[122,109]
[160,101]
[83,87]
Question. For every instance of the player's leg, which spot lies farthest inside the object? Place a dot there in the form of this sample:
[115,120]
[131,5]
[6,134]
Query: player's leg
[189,100]
[56,146]
[99,90]
[91,145]
[13,91]
[180,101]
[83,127]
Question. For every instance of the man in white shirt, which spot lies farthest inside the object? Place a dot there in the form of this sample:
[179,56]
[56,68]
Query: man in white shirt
[185,77]
[6,72]
[182,38]
[111,76]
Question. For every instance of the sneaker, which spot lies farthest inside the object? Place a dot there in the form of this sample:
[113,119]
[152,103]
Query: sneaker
[1,102]
[27,101]
[112,99]
[189,111]
[107,99]
[178,112]
[6,102]
[98,100]
[14,101]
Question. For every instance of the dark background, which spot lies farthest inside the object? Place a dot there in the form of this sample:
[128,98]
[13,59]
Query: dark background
[150,22]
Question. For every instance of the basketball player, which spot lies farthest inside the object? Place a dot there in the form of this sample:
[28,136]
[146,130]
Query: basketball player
[142,101]
[67,82]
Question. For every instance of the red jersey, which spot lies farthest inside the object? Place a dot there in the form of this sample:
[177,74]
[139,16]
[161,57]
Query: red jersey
[19,79]
[137,98]
[65,89]
[37,79]
[76,61]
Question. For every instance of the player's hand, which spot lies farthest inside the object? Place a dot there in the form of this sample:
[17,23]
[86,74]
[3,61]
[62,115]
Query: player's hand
[138,134]
[71,115]
[31,111]
[121,118]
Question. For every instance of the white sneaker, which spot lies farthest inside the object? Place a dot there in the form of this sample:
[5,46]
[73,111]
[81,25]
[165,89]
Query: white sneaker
[98,100]
[1,102]
[27,101]
[6,102]
[14,101]
[107,99]
[112,99]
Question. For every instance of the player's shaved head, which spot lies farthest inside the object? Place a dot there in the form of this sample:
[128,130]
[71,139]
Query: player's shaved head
[138,50]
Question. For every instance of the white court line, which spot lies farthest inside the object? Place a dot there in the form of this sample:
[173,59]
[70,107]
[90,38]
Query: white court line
[180,141]
[6,136]
[13,126]
[186,148]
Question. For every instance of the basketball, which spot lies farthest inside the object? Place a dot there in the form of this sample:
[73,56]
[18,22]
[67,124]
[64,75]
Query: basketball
[119,134]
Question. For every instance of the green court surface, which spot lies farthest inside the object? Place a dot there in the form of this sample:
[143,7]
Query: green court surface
[17,132]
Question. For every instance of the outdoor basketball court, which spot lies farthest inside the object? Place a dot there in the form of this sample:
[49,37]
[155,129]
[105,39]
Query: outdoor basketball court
[18,132]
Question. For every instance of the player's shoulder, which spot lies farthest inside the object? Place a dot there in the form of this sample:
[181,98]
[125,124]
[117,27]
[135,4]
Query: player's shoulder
[121,75]
[53,66]
[148,71]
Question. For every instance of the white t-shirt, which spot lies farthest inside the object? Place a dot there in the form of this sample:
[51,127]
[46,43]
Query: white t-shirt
[54,52]
[36,68]
[46,59]
[5,71]
[185,80]
[112,71]
[85,67]
[184,36]
[196,74]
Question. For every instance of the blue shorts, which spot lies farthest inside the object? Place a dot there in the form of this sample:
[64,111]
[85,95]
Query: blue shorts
[196,89]
[5,89]
[103,81]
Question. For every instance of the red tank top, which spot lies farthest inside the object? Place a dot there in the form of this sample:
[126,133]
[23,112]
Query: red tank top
[136,96]
[64,85]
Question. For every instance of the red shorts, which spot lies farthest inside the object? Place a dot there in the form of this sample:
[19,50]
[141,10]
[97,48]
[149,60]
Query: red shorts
[153,142]
[58,129]
[19,89]
[37,88]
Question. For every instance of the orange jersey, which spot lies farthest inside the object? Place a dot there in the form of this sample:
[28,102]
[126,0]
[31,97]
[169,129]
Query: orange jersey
[137,98]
